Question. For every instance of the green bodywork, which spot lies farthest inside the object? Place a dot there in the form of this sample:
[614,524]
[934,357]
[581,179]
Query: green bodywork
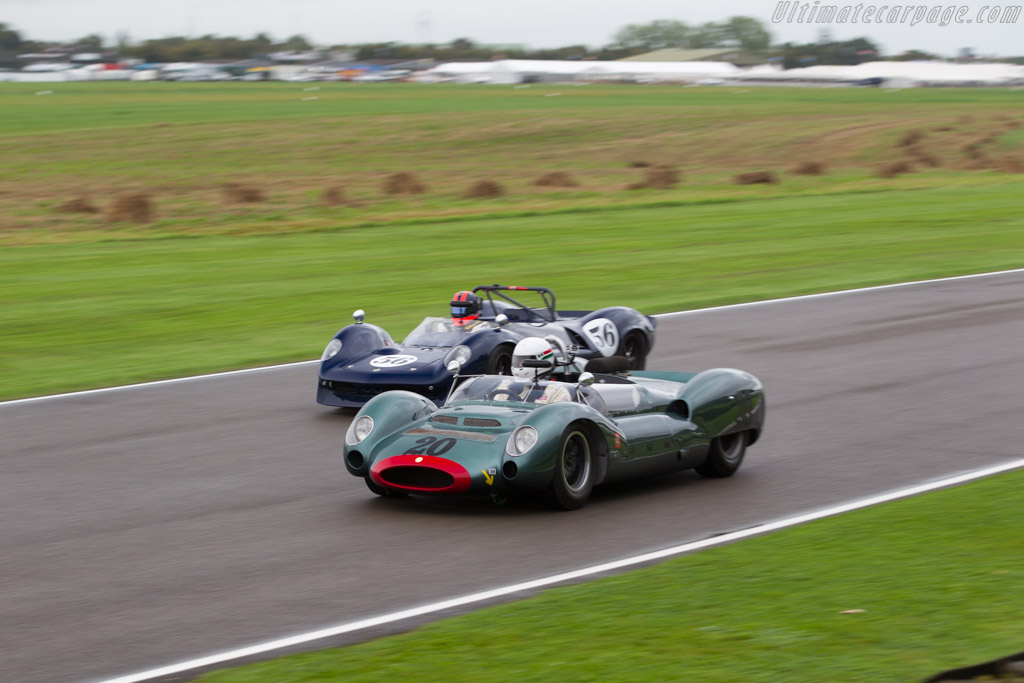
[649,423]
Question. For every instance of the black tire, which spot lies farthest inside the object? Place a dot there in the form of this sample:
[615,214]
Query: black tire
[634,348]
[381,491]
[500,362]
[725,456]
[573,479]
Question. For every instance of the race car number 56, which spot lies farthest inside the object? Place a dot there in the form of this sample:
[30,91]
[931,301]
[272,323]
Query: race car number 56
[602,335]
[393,361]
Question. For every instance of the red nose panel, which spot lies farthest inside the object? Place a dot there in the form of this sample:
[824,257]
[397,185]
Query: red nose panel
[424,473]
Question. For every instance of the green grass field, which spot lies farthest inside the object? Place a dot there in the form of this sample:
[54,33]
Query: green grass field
[937,591]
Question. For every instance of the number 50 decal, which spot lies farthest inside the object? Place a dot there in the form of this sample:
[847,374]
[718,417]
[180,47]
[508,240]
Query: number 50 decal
[602,335]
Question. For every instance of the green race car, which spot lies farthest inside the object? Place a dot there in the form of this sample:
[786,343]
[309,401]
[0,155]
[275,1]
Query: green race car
[502,435]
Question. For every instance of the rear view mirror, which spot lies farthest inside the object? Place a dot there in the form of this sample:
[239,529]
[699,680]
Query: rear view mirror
[454,367]
[538,364]
[359,315]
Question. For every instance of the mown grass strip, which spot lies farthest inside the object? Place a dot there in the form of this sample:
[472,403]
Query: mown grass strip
[84,316]
[322,163]
[930,589]
[117,104]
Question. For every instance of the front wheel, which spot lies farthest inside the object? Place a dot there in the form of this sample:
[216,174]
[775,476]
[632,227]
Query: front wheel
[725,456]
[574,471]
[500,361]
[634,348]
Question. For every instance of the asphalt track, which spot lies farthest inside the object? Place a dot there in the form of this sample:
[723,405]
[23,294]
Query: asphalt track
[159,523]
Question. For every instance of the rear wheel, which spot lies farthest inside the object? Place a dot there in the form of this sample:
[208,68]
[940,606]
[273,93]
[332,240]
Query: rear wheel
[574,471]
[634,348]
[725,456]
[500,361]
[381,491]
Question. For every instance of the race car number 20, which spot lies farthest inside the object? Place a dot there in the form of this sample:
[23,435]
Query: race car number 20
[431,445]
[602,335]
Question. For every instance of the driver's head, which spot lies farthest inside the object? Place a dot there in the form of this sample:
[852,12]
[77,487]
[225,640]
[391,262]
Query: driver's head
[532,348]
[466,307]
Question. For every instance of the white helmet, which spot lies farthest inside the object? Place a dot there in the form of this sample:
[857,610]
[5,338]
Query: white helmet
[531,348]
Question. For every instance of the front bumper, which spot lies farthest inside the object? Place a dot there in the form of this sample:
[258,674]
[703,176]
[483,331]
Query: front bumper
[423,474]
[433,475]
[355,394]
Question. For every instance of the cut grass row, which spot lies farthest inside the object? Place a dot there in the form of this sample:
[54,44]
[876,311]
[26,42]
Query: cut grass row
[181,144]
[89,315]
[932,583]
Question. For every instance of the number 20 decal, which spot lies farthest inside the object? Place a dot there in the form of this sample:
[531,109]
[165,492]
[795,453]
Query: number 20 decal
[602,335]
[431,445]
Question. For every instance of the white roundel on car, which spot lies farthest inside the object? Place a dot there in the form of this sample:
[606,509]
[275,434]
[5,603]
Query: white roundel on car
[393,361]
[602,335]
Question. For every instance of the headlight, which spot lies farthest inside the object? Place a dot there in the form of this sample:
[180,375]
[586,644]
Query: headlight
[332,349]
[460,353]
[359,430]
[521,441]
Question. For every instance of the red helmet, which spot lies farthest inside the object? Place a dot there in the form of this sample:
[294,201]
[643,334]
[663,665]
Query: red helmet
[466,306]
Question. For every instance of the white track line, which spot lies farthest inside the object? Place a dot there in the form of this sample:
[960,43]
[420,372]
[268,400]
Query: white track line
[659,315]
[822,295]
[156,383]
[558,578]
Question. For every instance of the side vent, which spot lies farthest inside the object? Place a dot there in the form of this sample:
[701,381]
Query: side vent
[678,407]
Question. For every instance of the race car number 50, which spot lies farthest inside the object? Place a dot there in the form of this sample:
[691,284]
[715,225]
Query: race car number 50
[602,335]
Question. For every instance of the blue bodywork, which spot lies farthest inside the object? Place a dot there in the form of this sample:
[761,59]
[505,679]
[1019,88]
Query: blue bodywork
[370,362]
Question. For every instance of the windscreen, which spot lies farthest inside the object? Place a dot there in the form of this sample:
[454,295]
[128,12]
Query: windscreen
[509,389]
[443,332]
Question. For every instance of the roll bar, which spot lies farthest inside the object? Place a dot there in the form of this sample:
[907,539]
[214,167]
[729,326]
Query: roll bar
[546,295]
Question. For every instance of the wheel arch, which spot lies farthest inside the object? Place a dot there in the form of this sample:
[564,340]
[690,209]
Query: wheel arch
[629,320]
[707,392]
[598,445]
[507,343]
[361,338]
[390,411]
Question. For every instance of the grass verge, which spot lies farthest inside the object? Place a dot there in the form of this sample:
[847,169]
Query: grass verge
[937,591]
[88,315]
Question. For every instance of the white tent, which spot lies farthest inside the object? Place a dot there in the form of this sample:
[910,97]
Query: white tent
[660,71]
[507,71]
[898,73]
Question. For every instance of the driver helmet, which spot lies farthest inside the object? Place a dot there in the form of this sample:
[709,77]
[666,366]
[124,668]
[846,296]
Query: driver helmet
[466,307]
[531,348]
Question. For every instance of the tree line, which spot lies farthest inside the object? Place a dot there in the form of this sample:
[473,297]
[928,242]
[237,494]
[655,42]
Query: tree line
[744,34]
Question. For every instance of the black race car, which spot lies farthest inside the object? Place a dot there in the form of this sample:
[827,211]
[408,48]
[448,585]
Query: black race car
[362,360]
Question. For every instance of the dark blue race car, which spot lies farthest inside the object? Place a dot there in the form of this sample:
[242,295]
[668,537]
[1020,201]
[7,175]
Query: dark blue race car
[362,360]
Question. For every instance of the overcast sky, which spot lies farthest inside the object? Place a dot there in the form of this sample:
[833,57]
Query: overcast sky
[536,23]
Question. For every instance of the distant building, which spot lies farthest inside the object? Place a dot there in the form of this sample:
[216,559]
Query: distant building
[733,55]
[511,71]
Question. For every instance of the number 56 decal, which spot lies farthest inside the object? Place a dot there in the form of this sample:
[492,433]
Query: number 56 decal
[602,335]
